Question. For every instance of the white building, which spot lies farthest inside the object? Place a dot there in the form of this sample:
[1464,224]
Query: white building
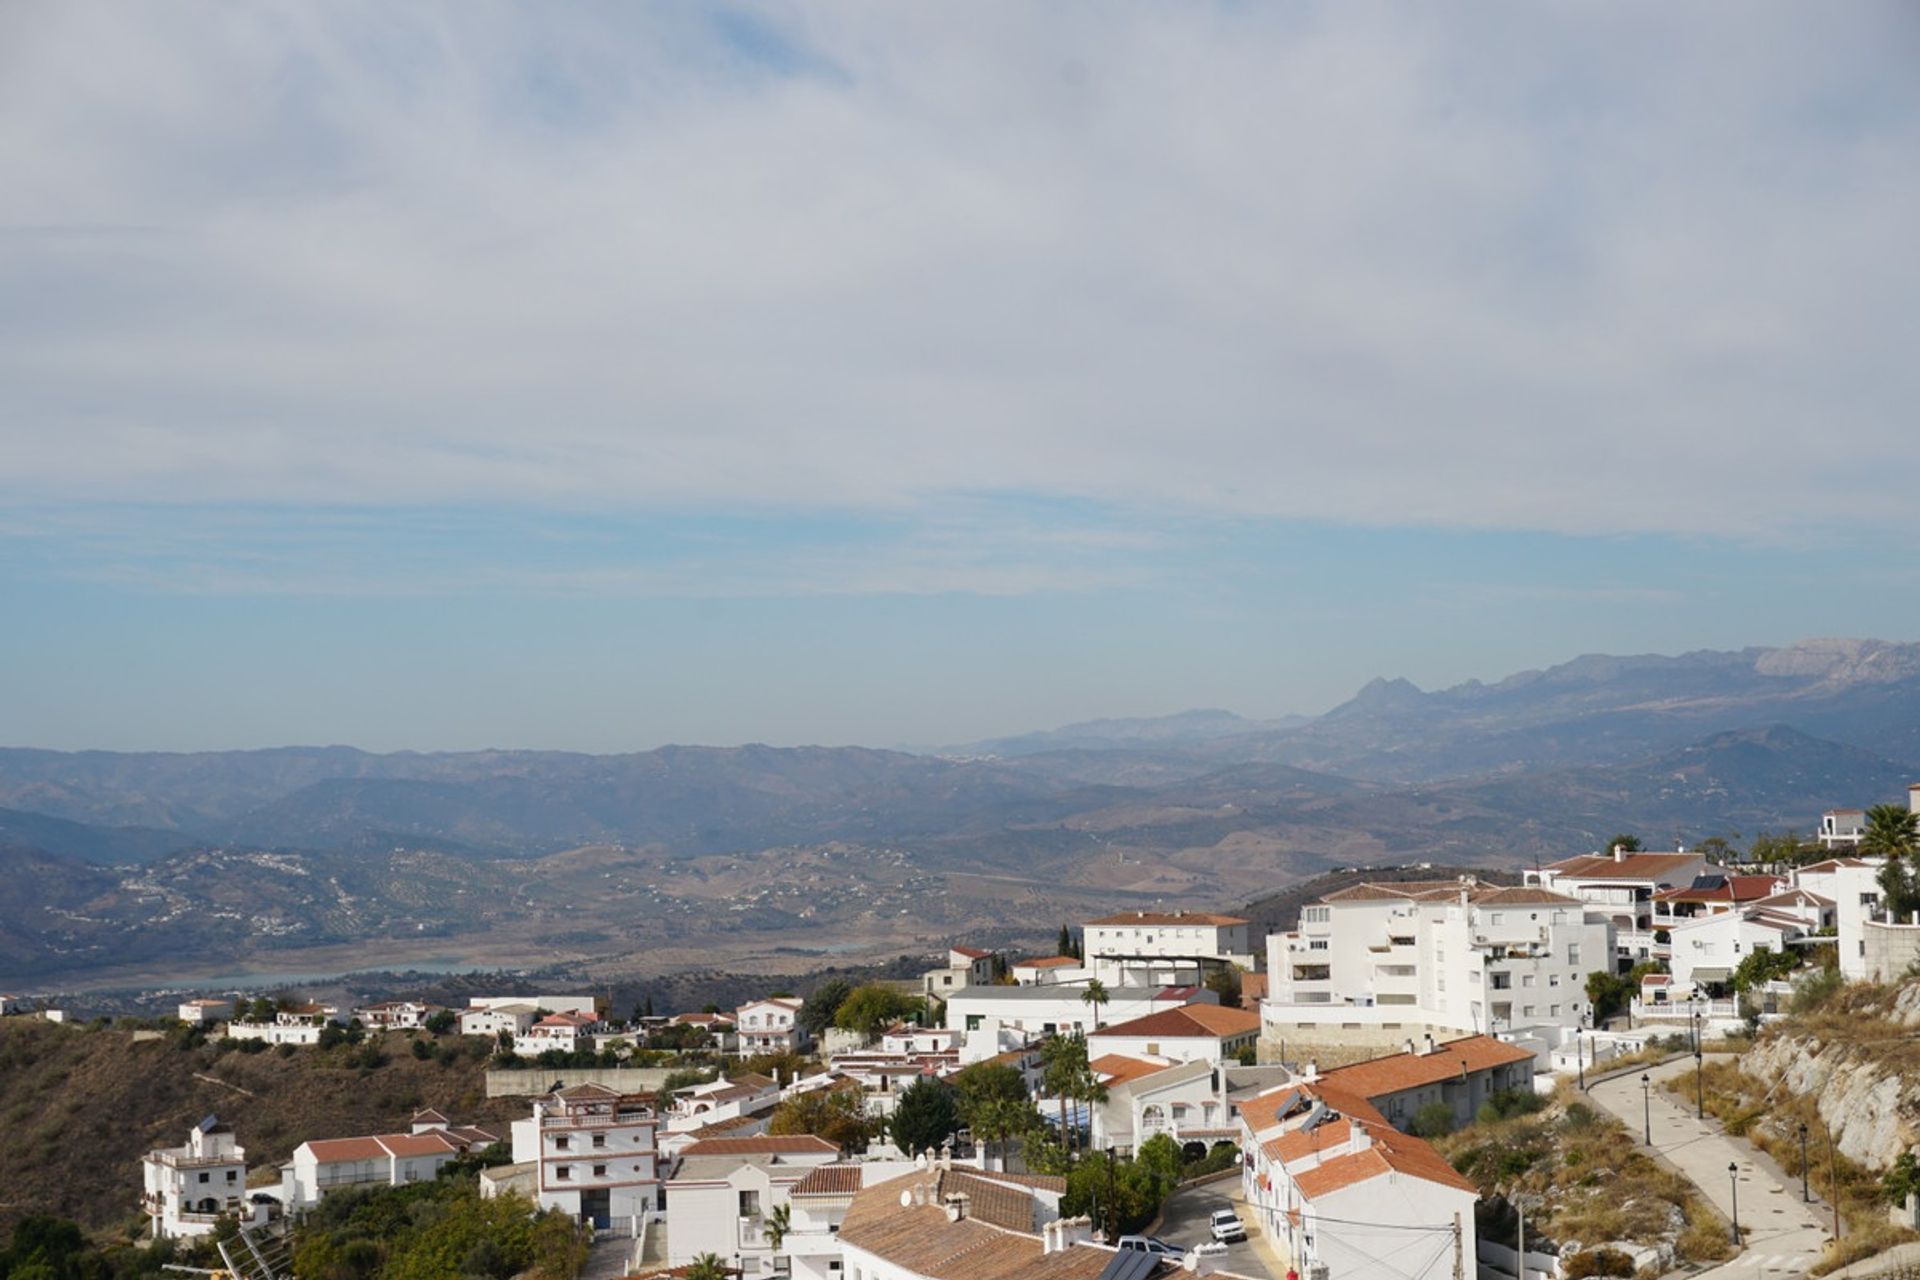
[1374,965]
[1340,1192]
[965,967]
[769,1026]
[515,1018]
[589,1005]
[300,1025]
[1622,885]
[1030,1012]
[188,1188]
[1207,1033]
[396,1015]
[743,1094]
[1045,970]
[1149,1096]
[323,1166]
[954,1224]
[592,1152]
[726,1192]
[566,1032]
[1842,828]
[1853,886]
[202,1012]
[1163,948]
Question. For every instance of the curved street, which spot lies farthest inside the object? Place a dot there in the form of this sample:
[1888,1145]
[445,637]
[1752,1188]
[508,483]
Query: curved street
[1782,1236]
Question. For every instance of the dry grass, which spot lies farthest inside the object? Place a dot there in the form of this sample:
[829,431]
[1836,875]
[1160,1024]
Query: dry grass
[1770,1119]
[1594,1185]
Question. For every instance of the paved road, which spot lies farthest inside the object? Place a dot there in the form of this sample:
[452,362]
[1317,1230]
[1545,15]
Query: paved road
[1783,1237]
[1186,1224]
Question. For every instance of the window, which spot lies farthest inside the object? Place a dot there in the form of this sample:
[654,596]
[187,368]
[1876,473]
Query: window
[599,1171]
[1553,1011]
[1526,979]
[1502,981]
[749,1204]
[203,1177]
[1317,944]
[1553,979]
[599,1140]
[563,1143]
[232,1176]
[1495,917]
[562,1173]
[1573,953]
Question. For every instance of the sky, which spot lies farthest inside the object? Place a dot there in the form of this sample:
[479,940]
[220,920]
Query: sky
[445,376]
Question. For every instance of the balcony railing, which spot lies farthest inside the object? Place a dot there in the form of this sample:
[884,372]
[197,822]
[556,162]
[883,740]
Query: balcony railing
[177,1160]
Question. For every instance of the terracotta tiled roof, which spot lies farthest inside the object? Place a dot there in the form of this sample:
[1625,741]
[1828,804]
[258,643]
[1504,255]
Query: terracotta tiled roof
[1382,1076]
[1167,918]
[1382,892]
[1114,1068]
[1795,898]
[1730,889]
[1208,1020]
[1253,989]
[753,1079]
[1834,864]
[922,1240]
[829,1180]
[1046,962]
[971,953]
[729,1125]
[1522,896]
[1389,1152]
[791,1144]
[1632,866]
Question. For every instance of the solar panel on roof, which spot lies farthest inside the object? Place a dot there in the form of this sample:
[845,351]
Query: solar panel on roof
[208,1123]
[1131,1264]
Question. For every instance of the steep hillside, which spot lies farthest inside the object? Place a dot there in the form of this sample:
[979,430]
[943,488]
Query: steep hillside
[82,1105]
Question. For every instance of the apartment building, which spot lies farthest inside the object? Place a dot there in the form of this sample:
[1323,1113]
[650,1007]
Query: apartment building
[323,1166]
[592,1152]
[1163,948]
[206,1011]
[1373,965]
[1622,885]
[965,967]
[988,1016]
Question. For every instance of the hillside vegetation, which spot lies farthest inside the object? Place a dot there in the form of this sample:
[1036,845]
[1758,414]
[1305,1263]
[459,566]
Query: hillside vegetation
[83,1103]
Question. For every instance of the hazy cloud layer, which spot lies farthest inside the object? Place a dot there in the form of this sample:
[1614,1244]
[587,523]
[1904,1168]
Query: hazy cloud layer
[1582,268]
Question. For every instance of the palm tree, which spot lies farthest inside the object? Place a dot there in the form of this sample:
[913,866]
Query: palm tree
[1095,995]
[779,1223]
[708,1266]
[1892,831]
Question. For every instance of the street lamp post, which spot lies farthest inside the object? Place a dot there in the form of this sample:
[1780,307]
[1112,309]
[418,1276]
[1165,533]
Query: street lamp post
[1733,1178]
[1806,1196]
[1699,1085]
[1646,1103]
[1580,1059]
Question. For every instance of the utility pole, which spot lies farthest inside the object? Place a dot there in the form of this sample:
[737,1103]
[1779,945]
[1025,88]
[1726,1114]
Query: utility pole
[1520,1266]
[1113,1209]
[1459,1262]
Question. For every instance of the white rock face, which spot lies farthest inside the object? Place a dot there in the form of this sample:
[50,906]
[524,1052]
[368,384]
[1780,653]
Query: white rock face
[1867,1109]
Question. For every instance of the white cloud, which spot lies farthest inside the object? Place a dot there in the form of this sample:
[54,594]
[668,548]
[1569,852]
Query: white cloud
[1587,269]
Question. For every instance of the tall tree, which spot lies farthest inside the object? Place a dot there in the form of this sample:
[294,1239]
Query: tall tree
[817,1012]
[1626,841]
[838,1115]
[1225,983]
[925,1115]
[1066,941]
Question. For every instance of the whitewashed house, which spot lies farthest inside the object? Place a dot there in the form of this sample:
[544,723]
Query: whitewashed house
[299,1025]
[1150,1096]
[592,1153]
[1209,1033]
[725,1193]
[1027,1013]
[965,967]
[396,1015]
[769,1026]
[566,1032]
[323,1166]
[189,1188]
[205,1011]
[515,1018]
[1047,970]
[1853,886]
[1621,885]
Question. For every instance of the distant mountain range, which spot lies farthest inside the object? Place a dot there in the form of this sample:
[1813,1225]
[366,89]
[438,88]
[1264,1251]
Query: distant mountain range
[1204,806]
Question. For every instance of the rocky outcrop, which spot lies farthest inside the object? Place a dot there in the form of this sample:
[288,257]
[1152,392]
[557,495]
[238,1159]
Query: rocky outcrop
[1862,1091]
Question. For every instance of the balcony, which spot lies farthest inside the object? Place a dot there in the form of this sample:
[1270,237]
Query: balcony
[177,1158]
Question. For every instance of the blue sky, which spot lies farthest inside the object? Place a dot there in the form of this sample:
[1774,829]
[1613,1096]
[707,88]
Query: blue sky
[497,375]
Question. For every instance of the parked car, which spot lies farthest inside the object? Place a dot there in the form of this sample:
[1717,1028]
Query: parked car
[1153,1245]
[1226,1226]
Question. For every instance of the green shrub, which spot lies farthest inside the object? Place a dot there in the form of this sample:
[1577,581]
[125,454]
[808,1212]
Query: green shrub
[1598,1262]
[1435,1120]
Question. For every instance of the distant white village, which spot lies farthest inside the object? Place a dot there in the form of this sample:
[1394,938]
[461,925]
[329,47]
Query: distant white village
[1300,1060]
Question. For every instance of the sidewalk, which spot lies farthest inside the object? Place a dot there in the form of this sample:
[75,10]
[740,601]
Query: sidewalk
[1781,1235]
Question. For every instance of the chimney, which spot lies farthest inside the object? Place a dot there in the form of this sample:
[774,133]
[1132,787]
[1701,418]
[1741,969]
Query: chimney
[957,1205]
[1619,853]
[1358,1139]
[1430,1045]
[1409,1049]
[1313,1071]
[1072,1231]
[1049,1237]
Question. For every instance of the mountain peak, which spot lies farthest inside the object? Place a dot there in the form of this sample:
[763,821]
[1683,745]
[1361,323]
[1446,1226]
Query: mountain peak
[1380,695]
